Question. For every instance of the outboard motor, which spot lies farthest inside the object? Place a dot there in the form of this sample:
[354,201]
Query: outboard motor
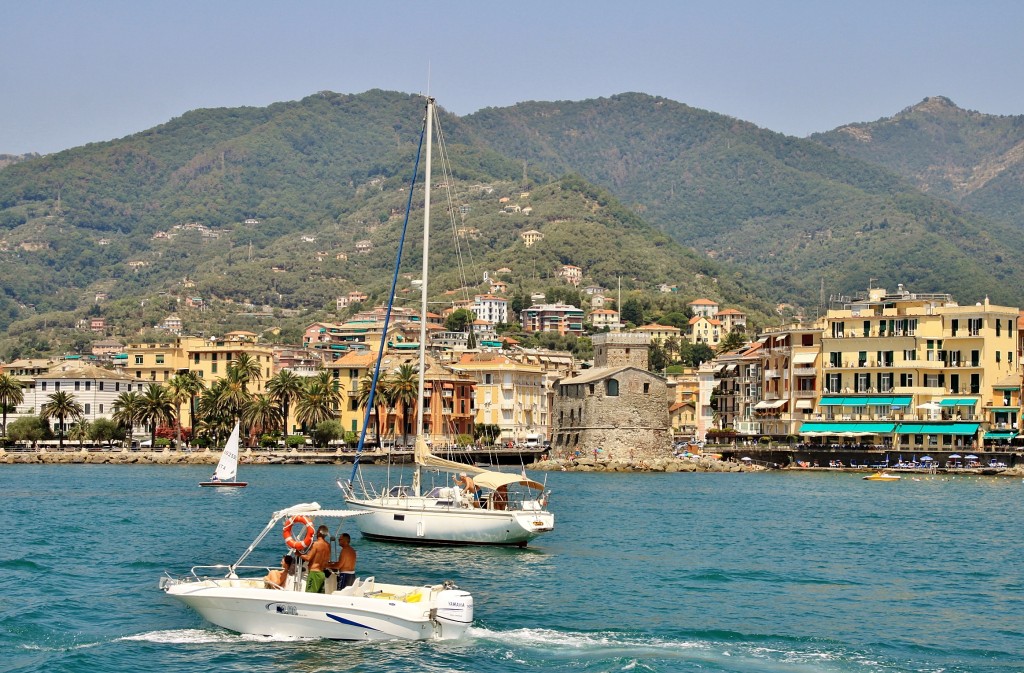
[454,612]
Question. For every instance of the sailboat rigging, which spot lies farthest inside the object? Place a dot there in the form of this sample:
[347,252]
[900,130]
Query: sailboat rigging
[515,509]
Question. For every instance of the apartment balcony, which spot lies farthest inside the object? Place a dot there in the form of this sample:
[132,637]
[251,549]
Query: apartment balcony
[804,371]
[805,394]
[771,373]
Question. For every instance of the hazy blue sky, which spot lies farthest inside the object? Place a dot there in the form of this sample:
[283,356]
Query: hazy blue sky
[78,72]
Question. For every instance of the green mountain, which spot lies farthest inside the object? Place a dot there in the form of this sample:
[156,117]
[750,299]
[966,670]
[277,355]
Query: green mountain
[787,210]
[283,195]
[972,159]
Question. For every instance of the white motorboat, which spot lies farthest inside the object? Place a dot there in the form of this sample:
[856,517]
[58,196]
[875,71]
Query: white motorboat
[238,598]
[226,473]
[515,509]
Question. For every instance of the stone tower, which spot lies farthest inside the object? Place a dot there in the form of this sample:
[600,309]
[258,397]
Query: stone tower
[621,349]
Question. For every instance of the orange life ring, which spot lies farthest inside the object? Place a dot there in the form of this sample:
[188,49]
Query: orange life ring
[291,540]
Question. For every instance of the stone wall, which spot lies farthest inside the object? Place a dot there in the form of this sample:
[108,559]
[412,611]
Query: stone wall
[633,425]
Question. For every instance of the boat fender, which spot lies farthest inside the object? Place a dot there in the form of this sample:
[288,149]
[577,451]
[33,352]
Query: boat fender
[298,543]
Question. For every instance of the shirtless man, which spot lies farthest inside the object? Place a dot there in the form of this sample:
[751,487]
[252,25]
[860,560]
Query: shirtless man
[346,563]
[318,556]
[466,483]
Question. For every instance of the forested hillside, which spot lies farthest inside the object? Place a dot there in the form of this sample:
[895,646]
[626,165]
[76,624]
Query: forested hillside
[785,209]
[257,211]
[283,194]
[967,157]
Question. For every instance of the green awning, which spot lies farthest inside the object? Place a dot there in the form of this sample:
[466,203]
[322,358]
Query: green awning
[937,428]
[832,401]
[958,402]
[892,401]
[814,428]
[1001,434]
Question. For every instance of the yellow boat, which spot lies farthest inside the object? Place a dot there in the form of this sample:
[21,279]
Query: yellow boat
[882,476]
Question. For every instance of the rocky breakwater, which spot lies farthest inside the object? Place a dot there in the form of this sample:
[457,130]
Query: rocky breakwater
[672,464]
[90,457]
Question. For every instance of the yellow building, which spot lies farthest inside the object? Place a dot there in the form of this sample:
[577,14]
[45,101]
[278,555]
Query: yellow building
[918,372]
[705,330]
[659,333]
[450,406]
[508,394]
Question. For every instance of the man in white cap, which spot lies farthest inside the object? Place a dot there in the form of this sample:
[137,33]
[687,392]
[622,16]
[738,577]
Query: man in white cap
[465,482]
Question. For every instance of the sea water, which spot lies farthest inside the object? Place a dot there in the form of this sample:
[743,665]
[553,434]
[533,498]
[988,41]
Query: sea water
[770,572]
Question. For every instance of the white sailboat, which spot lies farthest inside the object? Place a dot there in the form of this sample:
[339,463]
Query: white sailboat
[515,509]
[226,474]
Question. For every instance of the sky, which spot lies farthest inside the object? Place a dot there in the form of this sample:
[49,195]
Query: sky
[75,72]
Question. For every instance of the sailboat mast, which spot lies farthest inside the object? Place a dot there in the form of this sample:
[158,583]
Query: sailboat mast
[424,277]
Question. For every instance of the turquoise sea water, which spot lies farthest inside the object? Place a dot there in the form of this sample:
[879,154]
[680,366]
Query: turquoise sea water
[770,572]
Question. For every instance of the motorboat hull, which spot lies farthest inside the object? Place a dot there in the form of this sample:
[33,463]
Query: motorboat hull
[881,476]
[432,521]
[389,612]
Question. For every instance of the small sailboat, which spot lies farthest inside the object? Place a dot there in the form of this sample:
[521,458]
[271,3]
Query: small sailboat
[226,474]
[515,508]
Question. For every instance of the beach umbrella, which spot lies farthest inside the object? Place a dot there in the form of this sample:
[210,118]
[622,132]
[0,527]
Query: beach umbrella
[745,458]
[926,459]
[969,457]
[954,455]
[934,406]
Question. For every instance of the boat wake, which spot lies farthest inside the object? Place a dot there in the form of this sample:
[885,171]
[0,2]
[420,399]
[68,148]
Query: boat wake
[201,636]
[609,650]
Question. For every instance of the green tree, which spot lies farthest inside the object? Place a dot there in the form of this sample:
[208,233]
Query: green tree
[29,429]
[11,395]
[632,312]
[62,406]
[80,431]
[403,391]
[183,388]
[262,414]
[731,342]
[285,387]
[459,320]
[326,432]
[105,430]
[155,407]
[318,402]
[366,390]
[127,410]
[246,368]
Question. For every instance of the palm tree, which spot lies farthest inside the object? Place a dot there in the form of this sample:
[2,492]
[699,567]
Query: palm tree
[80,431]
[319,401]
[379,399]
[155,407]
[262,413]
[11,395]
[246,368]
[403,389]
[62,405]
[126,411]
[183,388]
[285,387]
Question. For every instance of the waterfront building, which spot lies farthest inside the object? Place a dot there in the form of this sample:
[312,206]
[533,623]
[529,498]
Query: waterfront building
[738,375]
[94,388]
[617,408]
[507,393]
[918,372]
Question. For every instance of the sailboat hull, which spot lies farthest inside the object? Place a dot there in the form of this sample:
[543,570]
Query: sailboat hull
[224,484]
[433,521]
